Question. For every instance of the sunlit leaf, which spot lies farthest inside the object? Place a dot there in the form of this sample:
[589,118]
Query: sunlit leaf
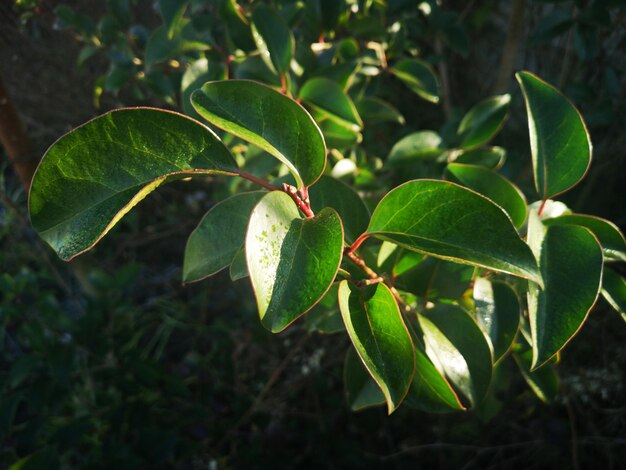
[328,97]
[489,157]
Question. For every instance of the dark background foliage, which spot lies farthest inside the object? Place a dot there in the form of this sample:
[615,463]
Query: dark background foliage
[109,362]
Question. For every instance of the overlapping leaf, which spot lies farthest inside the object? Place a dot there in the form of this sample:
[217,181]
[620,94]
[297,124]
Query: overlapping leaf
[328,97]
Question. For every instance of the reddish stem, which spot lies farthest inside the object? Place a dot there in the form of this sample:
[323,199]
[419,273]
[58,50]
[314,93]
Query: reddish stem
[303,205]
[543,205]
[256,180]
[357,243]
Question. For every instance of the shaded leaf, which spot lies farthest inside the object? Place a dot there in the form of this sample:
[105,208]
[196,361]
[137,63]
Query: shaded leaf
[239,268]
[374,110]
[483,121]
[614,291]
[273,38]
[421,145]
[325,317]
[543,381]
[489,157]
[361,390]
[172,13]
[327,97]
[160,47]
[419,76]
[198,73]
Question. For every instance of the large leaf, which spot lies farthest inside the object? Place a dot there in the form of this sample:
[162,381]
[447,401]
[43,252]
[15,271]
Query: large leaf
[458,348]
[498,313]
[328,97]
[420,77]
[380,337]
[559,142]
[267,119]
[91,177]
[329,192]
[608,234]
[221,233]
[421,145]
[292,261]
[445,220]
[483,121]
[570,260]
[496,187]
[614,290]
[273,38]
[361,390]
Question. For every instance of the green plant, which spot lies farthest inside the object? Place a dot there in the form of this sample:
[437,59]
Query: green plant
[428,329]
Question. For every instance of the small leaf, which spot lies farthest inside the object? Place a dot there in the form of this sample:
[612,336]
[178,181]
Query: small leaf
[380,337]
[292,261]
[457,346]
[483,121]
[614,291]
[374,110]
[239,268]
[329,192]
[161,48]
[325,317]
[489,157]
[543,381]
[448,221]
[268,119]
[421,145]
[570,260]
[172,13]
[419,76]
[91,177]
[327,97]
[492,185]
[559,142]
[607,233]
[498,313]
[361,390]
[221,233]
[273,38]
[337,136]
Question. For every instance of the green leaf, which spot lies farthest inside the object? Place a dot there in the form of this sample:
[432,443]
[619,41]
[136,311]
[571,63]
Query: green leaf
[273,38]
[172,13]
[420,77]
[435,279]
[483,121]
[198,73]
[396,260]
[221,233]
[458,348]
[361,390]
[254,68]
[559,142]
[268,119]
[325,317]
[337,136]
[329,192]
[91,177]
[570,260]
[421,145]
[614,291]
[328,97]
[492,185]
[239,268]
[374,110]
[292,261]
[607,233]
[489,157]
[161,48]
[543,381]
[380,337]
[498,313]
[448,221]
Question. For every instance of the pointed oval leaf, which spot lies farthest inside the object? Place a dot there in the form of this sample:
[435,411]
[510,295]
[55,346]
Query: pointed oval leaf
[457,346]
[614,291]
[269,120]
[559,142]
[328,97]
[375,110]
[273,38]
[361,390]
[543,381]
[330,192]
[492,185]
[92,176]
[221,233]
[380,337]
[419,76]
[292,261]
[607,233]
[570,259]
[483,121]
[421,145]
[498,313]
[448,221]
[489,157]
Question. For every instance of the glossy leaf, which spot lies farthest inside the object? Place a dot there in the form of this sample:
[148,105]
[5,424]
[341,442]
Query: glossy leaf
[559,142]
[483,121]
[489,157]
[91,177]
[374,110]
[221,233]
[498,313]
[397,261]
[336,135]
[198,73]
[420,77]
[328,97]
[492,185]
[448,221]
[421,145]
[570,260]
[273,38]
[268,119]
[614,290]
[361,390]
[380,337]
[543,381]
[457,346]
[172,12]
[292,261]
[330,192]
[607,233]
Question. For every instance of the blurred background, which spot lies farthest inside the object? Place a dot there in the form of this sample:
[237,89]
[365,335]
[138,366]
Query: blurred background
[109,362]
